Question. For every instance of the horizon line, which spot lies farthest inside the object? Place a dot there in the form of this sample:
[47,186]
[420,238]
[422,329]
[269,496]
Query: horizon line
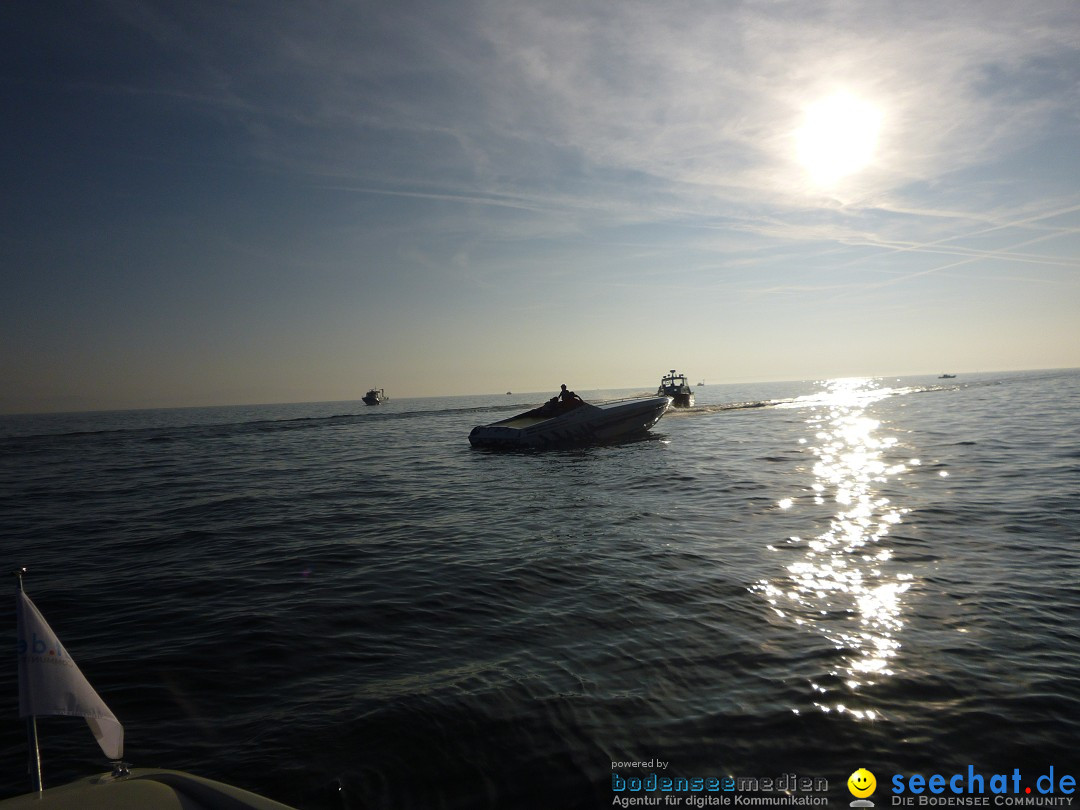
[544,392]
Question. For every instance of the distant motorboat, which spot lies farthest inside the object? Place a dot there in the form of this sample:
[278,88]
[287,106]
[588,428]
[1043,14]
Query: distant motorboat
[375,396]
[947,377]
[560,424]
[675,386]
[701,383]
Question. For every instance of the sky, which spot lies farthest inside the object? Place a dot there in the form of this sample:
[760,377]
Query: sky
[253,202]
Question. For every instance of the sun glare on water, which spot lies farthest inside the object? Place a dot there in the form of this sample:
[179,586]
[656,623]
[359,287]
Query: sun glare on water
[838,137]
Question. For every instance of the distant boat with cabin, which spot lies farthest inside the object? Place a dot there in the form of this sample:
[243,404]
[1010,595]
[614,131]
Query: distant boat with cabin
[674,385]
[375,396]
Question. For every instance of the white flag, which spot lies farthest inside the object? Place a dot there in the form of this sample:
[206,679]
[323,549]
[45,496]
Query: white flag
[50,683]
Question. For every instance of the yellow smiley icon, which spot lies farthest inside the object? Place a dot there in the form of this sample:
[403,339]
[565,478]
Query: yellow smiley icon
[861,783]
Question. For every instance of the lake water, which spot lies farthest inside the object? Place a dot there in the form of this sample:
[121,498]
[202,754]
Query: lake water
[342,606]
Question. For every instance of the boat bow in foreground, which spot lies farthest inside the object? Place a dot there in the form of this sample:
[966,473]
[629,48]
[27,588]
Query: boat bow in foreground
[51,685]
[144,789]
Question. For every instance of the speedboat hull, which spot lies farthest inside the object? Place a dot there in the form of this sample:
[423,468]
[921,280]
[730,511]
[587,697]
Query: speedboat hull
[584,424]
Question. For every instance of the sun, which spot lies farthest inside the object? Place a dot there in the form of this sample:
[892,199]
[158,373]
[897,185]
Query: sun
[838,137]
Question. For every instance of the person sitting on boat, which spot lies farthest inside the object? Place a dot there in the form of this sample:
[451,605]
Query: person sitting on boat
[569,399]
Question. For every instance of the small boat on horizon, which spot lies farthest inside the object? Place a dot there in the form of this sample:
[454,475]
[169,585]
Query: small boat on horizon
[567,424]
[375,396]
[675,386]
[947,377]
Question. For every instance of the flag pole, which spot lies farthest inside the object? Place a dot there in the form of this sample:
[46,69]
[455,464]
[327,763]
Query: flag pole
[34,764]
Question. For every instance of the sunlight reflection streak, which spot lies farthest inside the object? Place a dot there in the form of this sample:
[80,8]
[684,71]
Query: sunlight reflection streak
[838,588]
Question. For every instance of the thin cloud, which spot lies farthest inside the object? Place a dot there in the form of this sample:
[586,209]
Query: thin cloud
[696,99]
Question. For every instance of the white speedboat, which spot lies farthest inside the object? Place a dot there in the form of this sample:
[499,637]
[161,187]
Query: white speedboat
[557,424]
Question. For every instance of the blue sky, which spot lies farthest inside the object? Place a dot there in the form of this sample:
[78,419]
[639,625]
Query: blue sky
[245,202]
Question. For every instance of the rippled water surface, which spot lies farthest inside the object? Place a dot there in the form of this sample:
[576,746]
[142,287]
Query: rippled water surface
[348,607]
